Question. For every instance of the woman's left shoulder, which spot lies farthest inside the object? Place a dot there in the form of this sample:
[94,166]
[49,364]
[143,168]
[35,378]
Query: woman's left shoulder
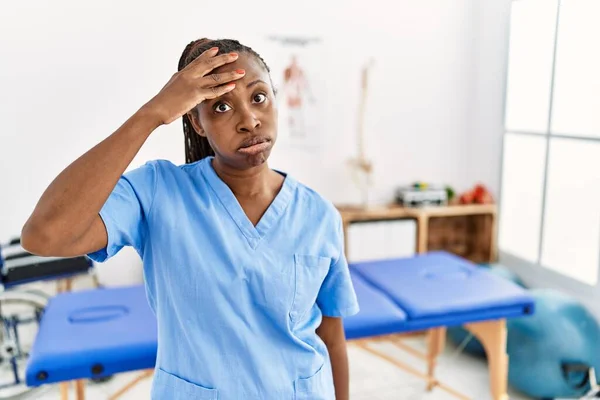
[317,205]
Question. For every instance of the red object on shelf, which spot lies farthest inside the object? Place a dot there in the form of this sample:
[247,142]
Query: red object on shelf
[478,195]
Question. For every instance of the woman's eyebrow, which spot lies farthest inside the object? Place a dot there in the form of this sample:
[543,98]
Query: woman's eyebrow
[254,83]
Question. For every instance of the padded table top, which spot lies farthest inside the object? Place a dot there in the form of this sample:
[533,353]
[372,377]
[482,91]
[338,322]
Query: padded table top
[93,333]
[378,314]
[102,332]
[443,286]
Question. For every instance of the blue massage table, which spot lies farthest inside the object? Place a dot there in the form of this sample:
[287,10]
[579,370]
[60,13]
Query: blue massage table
[21,306]
[432,292]
[101,332]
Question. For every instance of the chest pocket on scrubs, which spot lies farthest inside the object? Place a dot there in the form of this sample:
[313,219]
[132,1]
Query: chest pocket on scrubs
[169,386]
[310,271]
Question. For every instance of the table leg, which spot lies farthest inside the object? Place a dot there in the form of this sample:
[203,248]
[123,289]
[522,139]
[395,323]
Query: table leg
[492,335]
[80,389]
[64,391]
[146,374]
[436,341]
[364,344]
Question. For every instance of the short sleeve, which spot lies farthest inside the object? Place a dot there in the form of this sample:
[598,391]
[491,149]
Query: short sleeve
[337,297]
[125,212]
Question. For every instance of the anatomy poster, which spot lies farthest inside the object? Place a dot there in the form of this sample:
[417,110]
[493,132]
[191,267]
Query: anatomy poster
[295,64]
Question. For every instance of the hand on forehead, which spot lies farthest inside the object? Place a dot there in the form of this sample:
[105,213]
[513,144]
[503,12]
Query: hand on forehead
[248,63]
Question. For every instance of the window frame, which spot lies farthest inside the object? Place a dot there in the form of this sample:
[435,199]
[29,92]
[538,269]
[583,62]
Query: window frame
[537,274]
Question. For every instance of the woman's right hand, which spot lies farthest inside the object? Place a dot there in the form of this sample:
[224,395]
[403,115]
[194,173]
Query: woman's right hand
[194,84]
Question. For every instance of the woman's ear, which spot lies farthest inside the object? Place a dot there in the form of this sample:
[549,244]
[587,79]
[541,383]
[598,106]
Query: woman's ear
[194,118]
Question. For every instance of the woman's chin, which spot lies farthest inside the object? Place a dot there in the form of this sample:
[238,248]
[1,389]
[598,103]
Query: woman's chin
[255,160]
[255,156]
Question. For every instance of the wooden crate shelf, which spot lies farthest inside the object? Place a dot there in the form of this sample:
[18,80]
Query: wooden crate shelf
[466,230]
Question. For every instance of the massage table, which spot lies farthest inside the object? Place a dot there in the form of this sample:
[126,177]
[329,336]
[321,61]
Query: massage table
[101,332]
[21,307]
[429,293]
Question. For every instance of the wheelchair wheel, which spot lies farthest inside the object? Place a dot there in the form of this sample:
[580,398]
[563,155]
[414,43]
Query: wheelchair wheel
[20,314]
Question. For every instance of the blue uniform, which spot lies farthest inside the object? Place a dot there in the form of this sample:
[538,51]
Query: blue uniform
[237,305]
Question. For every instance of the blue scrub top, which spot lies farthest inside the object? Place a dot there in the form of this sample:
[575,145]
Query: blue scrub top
[237,305]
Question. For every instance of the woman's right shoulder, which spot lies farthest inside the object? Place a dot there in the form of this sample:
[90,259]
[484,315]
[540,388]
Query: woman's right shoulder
[169,167]
[167,173]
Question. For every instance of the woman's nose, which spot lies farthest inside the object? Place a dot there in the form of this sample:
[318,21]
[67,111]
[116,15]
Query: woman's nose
[248,122]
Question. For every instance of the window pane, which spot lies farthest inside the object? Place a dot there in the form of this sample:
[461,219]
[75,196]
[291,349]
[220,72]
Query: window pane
[532,32]
[577,77]
[521,200]
[572,216]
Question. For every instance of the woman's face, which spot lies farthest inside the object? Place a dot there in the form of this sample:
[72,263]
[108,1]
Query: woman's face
[241,125]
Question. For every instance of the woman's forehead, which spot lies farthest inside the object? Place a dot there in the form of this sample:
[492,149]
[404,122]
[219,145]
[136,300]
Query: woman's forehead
[245,61]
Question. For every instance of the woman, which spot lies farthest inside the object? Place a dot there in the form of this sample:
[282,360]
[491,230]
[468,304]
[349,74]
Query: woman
[244,266]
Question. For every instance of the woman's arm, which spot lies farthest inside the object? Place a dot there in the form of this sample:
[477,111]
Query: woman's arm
[65,222]
[331,332]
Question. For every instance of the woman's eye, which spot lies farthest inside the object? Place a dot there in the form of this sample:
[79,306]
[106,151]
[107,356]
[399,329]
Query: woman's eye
[222,107]
[259,98]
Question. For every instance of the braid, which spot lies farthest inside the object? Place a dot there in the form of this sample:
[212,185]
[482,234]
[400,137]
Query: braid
[197,147]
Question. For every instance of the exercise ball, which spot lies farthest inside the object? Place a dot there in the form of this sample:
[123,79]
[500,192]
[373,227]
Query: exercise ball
[506,273]
[458,334]
[551,351]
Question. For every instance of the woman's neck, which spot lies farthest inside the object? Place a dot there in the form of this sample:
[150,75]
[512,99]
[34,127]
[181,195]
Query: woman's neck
[247,183]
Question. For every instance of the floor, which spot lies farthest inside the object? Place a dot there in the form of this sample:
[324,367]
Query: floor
[371,378]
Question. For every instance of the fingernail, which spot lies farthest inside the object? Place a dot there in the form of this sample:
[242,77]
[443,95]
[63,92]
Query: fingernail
[240,71]
[231,85]
[214,49]
[233,54]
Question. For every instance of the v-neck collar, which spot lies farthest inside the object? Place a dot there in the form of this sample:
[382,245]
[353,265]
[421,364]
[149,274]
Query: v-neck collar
[253,234]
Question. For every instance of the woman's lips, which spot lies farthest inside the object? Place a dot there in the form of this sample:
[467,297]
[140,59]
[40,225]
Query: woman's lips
[255,145]
[255,148]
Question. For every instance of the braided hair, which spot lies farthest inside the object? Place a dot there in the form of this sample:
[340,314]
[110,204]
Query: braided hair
[197,147]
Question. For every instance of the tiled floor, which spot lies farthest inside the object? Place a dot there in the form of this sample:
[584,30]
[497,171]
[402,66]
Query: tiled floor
[371,378]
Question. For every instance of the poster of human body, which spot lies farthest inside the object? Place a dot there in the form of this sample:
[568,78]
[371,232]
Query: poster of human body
[300,93]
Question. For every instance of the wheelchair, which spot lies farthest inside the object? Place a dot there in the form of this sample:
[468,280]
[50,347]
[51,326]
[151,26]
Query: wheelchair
[21,310]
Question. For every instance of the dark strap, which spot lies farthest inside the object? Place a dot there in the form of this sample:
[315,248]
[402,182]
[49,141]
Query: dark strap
[576,374]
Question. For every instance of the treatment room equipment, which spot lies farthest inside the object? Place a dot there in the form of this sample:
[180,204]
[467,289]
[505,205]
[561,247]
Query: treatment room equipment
[21,306]
[114,331]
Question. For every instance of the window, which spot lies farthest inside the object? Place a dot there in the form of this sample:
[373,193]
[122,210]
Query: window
[522,184]
[532,32]
[571,215]
[550,194]
[576,99]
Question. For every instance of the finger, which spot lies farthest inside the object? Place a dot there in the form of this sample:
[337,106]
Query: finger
[205,55]
[216,91]
[202,58]
[219,79]
[210,63]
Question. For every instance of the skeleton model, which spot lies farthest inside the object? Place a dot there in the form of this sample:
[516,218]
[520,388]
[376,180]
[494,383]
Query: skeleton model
[361,167]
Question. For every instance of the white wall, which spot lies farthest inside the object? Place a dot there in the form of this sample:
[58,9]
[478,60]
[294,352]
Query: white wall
[72,72]
[490,44]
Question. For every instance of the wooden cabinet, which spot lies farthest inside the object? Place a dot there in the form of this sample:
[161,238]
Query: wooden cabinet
[465,230]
